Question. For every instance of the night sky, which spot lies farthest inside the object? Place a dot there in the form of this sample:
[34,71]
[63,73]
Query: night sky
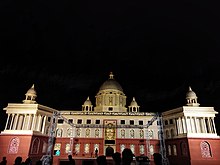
[156,50]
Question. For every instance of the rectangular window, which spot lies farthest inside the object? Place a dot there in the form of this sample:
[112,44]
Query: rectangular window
[109,141]
[171,121]
[97,122]
[141,122]
[60,121]
[57,148]
[131,122]
[79,121]
[122,121]
[88,121]
[70,121]
[110,108]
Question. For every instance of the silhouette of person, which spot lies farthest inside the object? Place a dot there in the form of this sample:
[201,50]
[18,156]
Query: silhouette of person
[71,160]
[39,162]
[96,152]
[157,158]
[18,160]
[101,160]
[4,161]
[127,156]
[117,158]
[28,161]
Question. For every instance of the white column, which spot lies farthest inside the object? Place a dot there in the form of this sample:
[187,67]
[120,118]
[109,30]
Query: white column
[7,121]
[209,125]
[44,122]
[30,119]
[198,125]
[177,126]
[20,121]
[204,125]
[12,121]
[184,124]
[15,123]
[193,125]
[24,126]
[180,125]
[39,121]
[188,123]
[213,123]
[34,122]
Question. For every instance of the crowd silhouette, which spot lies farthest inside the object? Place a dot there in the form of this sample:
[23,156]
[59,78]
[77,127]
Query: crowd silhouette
[124,158]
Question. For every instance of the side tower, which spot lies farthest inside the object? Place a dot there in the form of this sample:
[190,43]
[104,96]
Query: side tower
[26,130]
[190,134]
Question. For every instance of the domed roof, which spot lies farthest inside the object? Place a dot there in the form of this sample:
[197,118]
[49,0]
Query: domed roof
[88,102]
[133,103]
[190,94]
[31,91]
[111,84]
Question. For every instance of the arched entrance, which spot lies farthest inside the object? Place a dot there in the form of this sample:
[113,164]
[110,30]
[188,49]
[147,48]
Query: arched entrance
[109,151]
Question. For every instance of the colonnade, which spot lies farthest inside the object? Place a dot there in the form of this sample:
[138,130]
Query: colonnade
[35,122]
[189,124]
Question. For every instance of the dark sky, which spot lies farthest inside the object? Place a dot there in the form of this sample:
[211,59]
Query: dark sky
[67,48]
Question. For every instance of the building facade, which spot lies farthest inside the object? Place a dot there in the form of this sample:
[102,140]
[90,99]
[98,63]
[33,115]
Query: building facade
[110,126]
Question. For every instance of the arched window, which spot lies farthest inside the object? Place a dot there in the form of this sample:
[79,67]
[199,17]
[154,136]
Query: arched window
[44,149]
[167,134]
[174,150]
[183,148]
[67,148]
[96,146]
[87,132]
[59,132]
[69,132]
[151,148]
[13,146]
[172,133]
[78,132]
[86,148]
[122,147]
[132,147]
[205,149]
[141,149]
[132,133]
[141,133]
[96,132]
[169,150]
[123,133]
[77,148]
[151,134]
[35,146]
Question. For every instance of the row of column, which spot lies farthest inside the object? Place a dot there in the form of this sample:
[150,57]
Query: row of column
[195,125]
[34,122]
[111,99]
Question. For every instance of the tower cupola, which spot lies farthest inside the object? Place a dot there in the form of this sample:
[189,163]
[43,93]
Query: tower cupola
[87,106]
[133,106]
[30,96]
[191,98]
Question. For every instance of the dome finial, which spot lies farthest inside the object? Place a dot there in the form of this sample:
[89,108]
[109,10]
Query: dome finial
[111,76]
[190,89]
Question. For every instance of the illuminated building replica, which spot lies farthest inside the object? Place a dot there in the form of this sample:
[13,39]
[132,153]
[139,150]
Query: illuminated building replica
[189,131]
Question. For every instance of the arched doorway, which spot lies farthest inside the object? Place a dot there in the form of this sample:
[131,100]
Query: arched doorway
[109,151]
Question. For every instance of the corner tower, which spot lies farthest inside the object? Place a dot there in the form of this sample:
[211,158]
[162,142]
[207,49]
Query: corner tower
[110,97]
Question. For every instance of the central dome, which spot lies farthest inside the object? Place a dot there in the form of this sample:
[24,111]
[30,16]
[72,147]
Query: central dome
[111,84]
